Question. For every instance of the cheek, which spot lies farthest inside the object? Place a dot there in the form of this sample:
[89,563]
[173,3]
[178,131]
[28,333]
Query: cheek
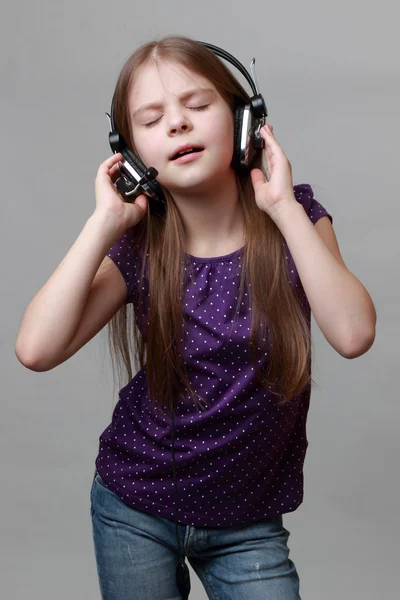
[222,133]
[147,148]
[221,128]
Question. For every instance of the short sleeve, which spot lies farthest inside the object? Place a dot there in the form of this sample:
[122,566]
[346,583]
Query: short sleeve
[304,195]
[123,254]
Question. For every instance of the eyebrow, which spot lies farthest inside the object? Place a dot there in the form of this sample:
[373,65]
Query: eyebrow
[184,96]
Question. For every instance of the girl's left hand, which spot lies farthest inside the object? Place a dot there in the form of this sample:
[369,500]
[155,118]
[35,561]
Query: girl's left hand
[270,195]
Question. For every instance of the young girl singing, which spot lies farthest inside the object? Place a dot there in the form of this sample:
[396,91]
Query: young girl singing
[221,288]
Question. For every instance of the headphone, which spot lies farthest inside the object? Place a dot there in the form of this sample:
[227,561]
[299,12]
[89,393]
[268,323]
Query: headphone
[138,179]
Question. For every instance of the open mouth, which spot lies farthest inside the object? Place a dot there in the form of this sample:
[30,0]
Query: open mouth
[185,152]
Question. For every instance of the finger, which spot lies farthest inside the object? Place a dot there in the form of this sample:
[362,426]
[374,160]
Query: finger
[268,131]
[268,151]
[111,161]
[105,166]
[268,142]
[271,145]
[266,134]
[114,173]
[257,178]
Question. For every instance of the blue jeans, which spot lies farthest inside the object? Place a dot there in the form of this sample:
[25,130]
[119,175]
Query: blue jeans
[137,552]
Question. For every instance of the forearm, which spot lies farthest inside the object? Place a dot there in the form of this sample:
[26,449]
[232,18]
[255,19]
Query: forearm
[341,305]
[52,317]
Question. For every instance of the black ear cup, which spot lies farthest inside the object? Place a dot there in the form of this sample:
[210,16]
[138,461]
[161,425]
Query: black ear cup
[237,135]
[128,181]
[244,148]
[133,161]
[140,168]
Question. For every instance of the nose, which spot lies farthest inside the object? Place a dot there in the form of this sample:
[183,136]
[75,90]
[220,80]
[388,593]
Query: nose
[179,123]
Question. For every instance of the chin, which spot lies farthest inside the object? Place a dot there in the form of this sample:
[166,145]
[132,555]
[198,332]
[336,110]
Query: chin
[197,181]
[196,176]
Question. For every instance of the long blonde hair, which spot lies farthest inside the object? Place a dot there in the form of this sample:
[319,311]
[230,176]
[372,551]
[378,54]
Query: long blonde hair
[278,315]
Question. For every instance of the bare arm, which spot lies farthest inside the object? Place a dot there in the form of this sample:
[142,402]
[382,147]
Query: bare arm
[51,320]
[342,307]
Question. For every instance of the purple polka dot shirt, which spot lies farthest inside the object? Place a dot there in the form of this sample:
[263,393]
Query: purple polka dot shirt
[241,458]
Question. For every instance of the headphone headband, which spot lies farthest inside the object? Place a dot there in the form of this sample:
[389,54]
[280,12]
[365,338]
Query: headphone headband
[236,63]
[224,54]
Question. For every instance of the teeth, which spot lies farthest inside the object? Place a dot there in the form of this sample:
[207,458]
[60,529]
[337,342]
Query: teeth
[187,151]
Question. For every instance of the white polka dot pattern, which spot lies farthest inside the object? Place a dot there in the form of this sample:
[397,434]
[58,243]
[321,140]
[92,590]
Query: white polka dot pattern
[241,458]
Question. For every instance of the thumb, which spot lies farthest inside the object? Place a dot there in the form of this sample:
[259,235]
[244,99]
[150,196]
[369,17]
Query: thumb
[142,202]
[257,178]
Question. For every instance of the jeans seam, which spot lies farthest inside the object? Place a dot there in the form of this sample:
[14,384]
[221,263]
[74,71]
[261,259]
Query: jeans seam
[209,584]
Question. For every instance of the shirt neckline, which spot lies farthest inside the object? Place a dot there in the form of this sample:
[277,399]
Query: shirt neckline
[223,258]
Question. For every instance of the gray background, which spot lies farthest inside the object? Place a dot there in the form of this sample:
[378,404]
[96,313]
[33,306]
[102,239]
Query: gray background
[330,75]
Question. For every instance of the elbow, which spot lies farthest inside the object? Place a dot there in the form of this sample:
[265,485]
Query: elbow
[358,345]
[29,361]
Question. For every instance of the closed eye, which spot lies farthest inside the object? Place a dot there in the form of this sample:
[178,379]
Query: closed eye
[190,107]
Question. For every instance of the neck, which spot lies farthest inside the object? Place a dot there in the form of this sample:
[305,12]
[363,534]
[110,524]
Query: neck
[213,217]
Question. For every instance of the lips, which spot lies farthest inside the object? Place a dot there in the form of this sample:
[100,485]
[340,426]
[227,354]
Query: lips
[184,147]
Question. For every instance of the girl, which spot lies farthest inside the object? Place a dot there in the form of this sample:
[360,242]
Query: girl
[222,287]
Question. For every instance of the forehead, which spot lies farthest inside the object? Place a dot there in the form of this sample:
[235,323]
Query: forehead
[155,81]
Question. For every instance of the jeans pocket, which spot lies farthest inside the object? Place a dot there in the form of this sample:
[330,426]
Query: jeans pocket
[99,480]
[91,493]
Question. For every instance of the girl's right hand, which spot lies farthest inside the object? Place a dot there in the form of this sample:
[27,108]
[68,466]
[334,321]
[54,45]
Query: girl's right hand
[110,201]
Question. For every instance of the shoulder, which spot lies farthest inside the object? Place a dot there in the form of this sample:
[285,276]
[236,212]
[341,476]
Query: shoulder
[304,195]
[319,216]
